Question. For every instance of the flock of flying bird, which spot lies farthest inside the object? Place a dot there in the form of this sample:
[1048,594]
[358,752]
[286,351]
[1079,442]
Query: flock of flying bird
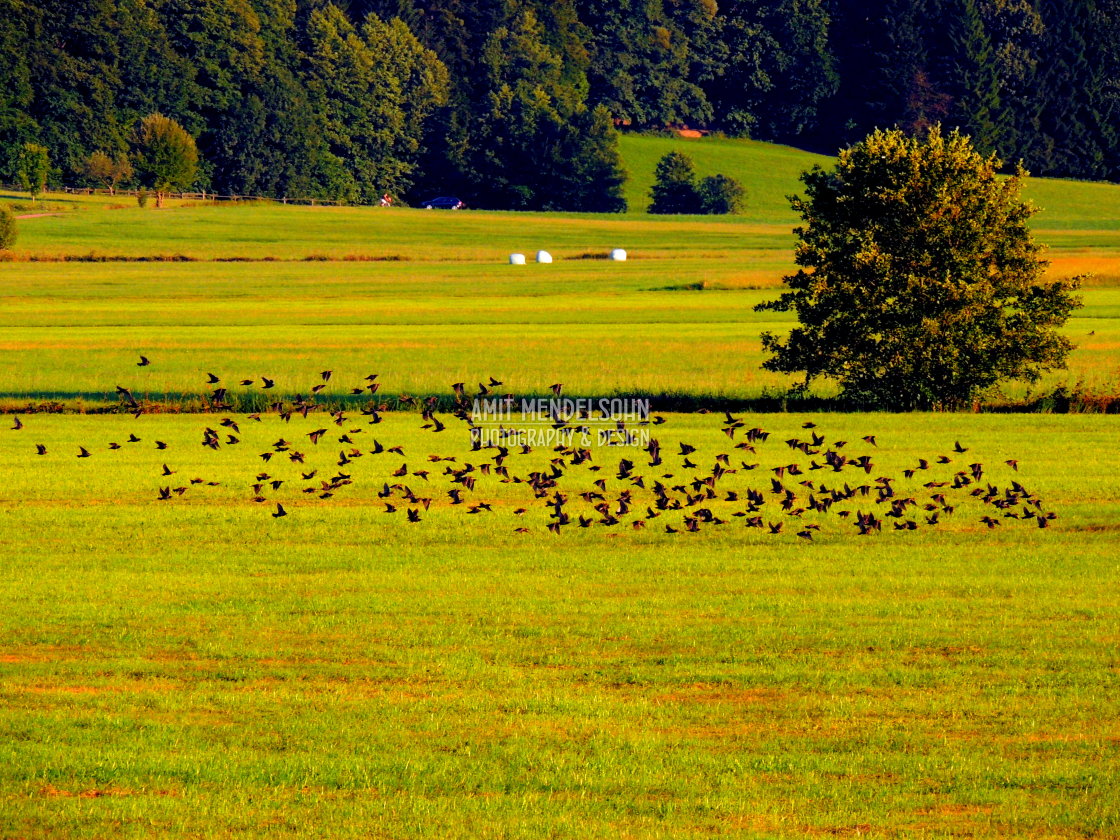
[813,480]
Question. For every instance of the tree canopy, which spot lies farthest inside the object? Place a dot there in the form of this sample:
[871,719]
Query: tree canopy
[515,103]
[920,283]
[107,171]
[166,156]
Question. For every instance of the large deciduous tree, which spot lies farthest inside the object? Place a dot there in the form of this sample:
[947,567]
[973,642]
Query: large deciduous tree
[920,284]
[166,155]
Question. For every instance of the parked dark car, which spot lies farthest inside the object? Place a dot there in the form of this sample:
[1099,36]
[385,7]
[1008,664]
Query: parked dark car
[443,202]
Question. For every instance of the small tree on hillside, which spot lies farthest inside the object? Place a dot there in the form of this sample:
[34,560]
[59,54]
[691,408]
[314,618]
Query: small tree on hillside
[33,167]
[721,194]
[921,286]
[166,156]
[674,190]
[105,170]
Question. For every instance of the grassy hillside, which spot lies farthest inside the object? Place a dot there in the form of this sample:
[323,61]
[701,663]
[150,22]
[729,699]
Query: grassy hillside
[770,173]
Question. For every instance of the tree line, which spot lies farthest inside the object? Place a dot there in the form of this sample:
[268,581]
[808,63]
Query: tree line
[517,103]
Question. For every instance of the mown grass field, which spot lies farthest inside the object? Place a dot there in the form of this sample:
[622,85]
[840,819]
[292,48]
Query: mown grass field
[427,298]
[196,667]
[74,331]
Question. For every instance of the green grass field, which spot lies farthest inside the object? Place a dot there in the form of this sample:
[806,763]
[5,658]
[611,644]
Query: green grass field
[197,667]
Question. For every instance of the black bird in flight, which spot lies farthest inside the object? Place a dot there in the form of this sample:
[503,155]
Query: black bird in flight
[279,511]
[17,425]
[143,362]
[40,449]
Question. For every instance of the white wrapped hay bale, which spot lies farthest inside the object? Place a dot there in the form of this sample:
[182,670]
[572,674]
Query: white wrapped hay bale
[618,255]
[517,259]
[544,257]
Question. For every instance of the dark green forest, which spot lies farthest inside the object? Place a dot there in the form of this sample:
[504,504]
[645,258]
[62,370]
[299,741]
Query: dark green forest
[517,103]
